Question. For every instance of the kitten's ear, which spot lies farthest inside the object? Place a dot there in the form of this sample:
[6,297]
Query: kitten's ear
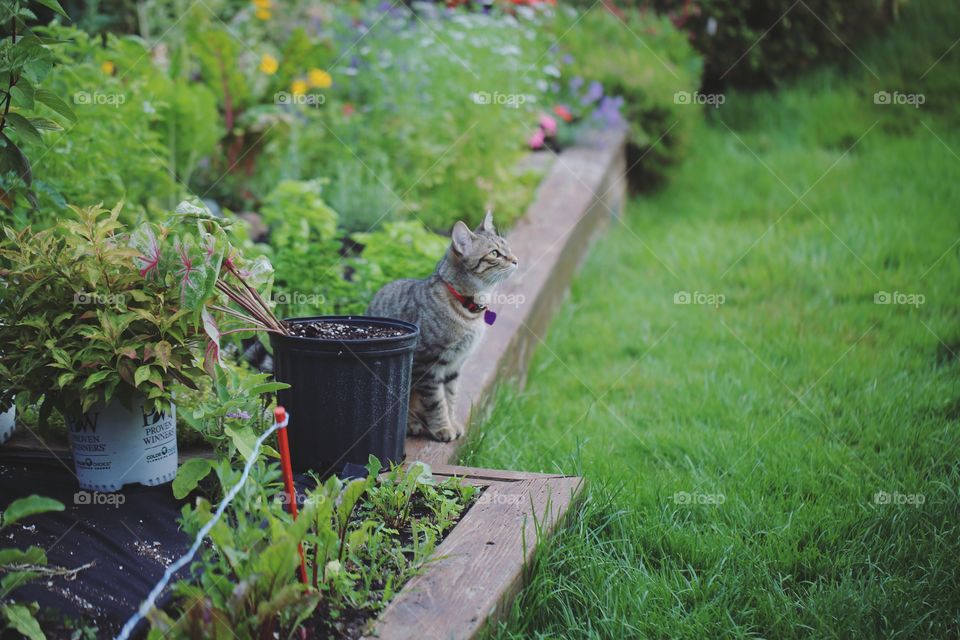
[487,224]
[461,238]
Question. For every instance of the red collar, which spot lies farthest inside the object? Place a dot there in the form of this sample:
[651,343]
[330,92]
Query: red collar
[467,302]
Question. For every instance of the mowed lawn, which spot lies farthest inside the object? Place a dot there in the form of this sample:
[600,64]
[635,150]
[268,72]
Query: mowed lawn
[782,460]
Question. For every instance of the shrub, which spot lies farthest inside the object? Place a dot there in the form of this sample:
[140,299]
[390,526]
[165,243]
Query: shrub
[81,324]
[751,42]
[138,136]
[646,73]
[397,250]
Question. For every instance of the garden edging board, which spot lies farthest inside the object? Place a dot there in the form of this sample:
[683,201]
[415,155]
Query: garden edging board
[479,566]
[584,187]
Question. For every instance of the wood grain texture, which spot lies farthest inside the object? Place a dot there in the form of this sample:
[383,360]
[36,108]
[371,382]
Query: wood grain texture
[584,188]
[479,566]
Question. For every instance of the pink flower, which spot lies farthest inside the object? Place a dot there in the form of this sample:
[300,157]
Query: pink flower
[548,124]
[536,140]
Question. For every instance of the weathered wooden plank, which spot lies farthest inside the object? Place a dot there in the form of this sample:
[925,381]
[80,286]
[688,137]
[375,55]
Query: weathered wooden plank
[492,475]
[584,187]
[480,564]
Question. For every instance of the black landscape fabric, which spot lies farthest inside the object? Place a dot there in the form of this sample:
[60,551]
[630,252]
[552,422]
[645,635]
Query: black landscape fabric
[129,537]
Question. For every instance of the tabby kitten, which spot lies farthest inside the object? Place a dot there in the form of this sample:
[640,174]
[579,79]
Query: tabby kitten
[449,307]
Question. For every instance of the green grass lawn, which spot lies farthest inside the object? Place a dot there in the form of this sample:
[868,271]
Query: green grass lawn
[755,466]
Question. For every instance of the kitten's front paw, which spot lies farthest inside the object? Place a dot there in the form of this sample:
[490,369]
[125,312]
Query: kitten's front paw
[446,434]
[414,427]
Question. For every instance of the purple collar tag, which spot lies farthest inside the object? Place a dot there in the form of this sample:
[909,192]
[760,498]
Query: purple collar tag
[489,317]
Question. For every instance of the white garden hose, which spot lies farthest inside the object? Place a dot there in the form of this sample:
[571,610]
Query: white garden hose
[150,602]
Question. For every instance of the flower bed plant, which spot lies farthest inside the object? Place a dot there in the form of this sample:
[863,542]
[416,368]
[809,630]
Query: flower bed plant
[362,539]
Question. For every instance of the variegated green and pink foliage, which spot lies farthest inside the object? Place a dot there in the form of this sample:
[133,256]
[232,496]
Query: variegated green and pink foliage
[93,310]
[193,258]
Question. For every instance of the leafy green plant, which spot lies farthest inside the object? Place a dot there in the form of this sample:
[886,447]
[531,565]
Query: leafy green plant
[20,566]
[661,126]
[224,413]
[397,250]
[750,42]
[246,588]
[25,62]
[81,324]
[356,560]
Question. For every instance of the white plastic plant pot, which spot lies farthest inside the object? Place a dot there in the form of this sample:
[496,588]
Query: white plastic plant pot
[114,446]
[8,421]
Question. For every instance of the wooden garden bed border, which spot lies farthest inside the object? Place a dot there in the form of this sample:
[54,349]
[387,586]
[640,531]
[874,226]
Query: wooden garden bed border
[585,186]
[479,566]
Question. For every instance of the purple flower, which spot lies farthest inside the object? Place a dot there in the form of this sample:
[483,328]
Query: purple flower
[594,93]
[608,112]
[576,82]
[567,58]
[238,415]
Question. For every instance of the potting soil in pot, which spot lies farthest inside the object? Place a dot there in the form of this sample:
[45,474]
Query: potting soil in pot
[341,331]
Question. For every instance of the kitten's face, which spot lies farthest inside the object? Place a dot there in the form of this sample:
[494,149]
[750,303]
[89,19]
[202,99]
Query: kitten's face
[484,252]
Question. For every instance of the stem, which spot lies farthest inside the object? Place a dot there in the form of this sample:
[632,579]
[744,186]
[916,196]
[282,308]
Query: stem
[13,80]
[255,294]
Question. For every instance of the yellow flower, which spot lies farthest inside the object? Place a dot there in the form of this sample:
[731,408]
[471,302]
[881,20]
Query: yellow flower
[318,78]
[262,4]
[298,87]
[262,14]
[269,64]
[107,67]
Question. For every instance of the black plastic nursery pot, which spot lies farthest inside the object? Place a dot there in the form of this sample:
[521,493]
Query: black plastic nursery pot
[347,398]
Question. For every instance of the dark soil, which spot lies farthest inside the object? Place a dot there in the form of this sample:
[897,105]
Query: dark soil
[341,331]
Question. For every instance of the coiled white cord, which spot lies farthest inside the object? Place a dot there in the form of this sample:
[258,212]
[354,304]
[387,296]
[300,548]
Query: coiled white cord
[150,602]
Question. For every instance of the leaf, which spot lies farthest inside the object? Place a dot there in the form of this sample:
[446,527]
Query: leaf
[25,507]
[144,240]
[189,476]
[141,375]
[348,499]
[53,101]
[31,555]
[22,126]
[162,352]
[211,356]
[373,466]
[13,159]
[46,124]
[21,619]
[243,439]
[96,378]
[54,5]
[23,95]
[267,387]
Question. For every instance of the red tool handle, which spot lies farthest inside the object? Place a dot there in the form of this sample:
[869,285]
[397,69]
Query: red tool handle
[280,415]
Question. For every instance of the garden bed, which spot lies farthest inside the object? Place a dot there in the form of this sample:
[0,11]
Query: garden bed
[479,566]
[113,547]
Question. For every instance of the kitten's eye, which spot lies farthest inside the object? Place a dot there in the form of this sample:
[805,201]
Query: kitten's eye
[495,253]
